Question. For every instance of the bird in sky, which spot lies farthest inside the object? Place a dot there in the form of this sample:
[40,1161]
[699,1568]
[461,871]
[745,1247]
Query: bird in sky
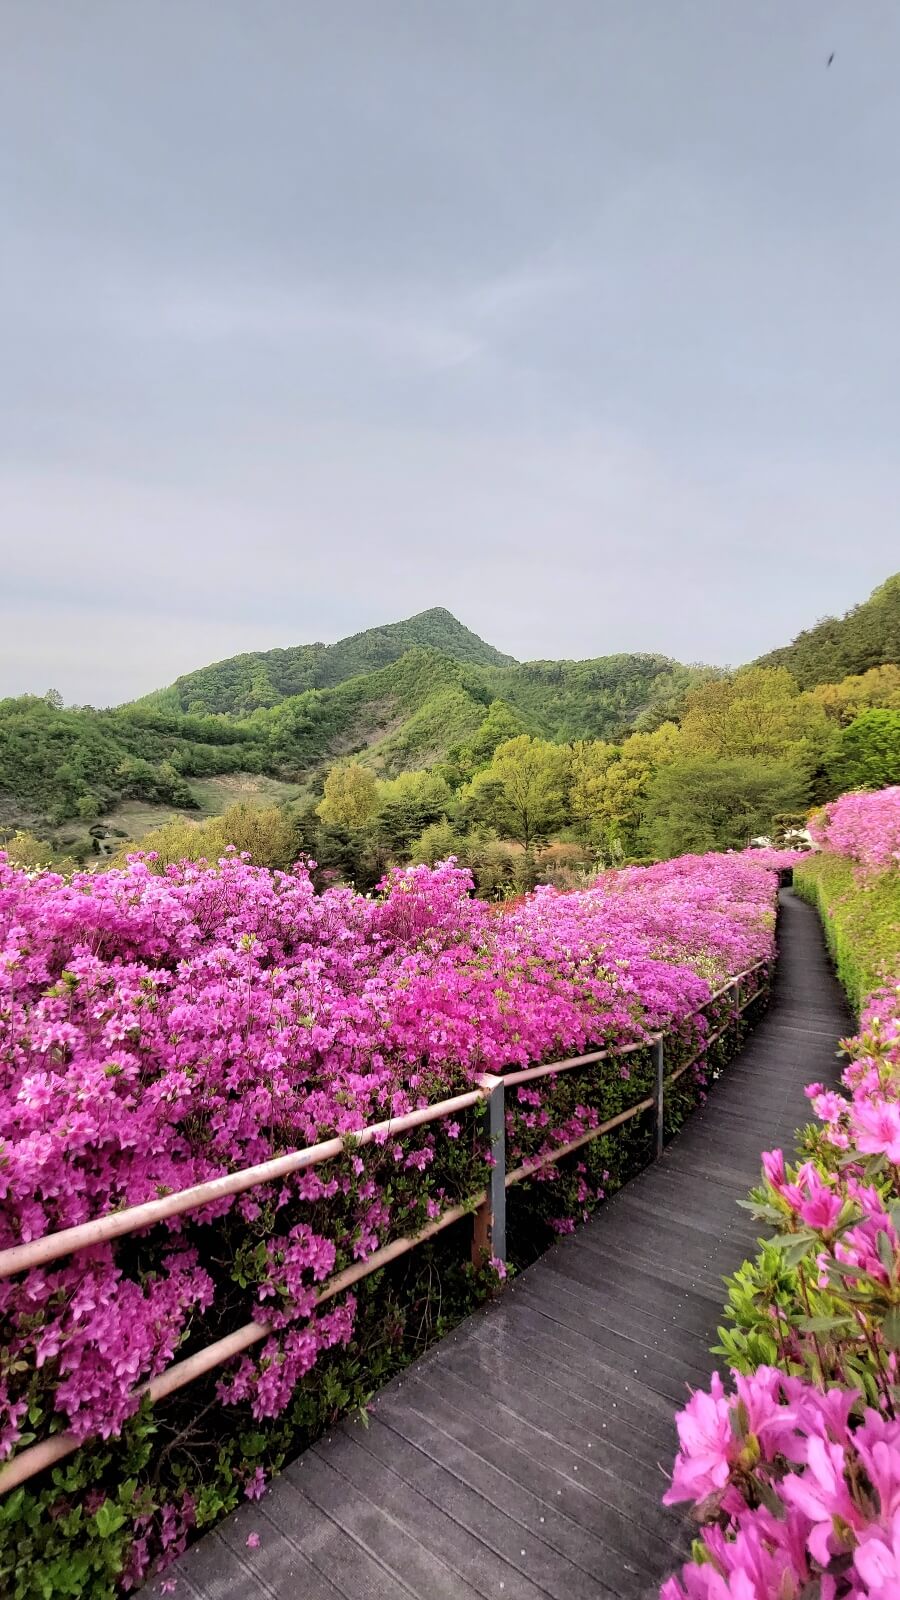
[830,59]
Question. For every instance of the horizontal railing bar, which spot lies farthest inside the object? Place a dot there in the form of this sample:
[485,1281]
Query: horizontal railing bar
[529,1167]
[711,1038]
[528,1073]
[37,1457]
[37,1252]
[732,981]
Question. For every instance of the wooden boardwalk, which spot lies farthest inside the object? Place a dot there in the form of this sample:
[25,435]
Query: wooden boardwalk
[525,1456]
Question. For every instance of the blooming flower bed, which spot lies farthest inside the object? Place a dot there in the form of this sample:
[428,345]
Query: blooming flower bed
[775,860]
[863,826]
[158,1031]
[794,1470]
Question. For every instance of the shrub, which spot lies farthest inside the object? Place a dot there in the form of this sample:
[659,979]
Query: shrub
[162,1028]
[794,1472]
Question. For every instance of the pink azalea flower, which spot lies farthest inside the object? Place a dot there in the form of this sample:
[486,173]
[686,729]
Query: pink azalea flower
[877,1560]
[876,1126]
[821,1493]
[820,1207]
[707,1444]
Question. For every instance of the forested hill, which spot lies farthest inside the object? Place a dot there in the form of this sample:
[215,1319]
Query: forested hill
[262,678]
[866,636]
[420,694]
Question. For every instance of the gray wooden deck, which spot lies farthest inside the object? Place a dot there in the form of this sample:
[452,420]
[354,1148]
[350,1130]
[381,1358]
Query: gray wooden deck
[524,1457]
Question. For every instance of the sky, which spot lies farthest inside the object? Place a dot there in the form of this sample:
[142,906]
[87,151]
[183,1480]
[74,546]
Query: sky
[576,317]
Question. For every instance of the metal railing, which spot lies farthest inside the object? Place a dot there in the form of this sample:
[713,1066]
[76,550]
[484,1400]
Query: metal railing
[488,1207]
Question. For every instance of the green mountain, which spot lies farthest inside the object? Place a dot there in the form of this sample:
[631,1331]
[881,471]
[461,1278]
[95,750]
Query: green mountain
[405,696]
[261,678]
[866,636]
[417,709]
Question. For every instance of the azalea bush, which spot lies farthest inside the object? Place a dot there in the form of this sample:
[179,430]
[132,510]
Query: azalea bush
[159,1029]
[775,860]
[794,1470]
[863,825]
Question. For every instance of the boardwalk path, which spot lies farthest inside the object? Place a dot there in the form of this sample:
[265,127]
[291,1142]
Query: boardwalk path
[523,1457]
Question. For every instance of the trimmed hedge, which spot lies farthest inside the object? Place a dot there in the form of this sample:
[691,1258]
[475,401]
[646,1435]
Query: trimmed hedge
[861,918]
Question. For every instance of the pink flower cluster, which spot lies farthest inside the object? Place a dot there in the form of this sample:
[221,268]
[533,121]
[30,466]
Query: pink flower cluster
[775,860]
[863,825]
[159,1030]
[810,1499]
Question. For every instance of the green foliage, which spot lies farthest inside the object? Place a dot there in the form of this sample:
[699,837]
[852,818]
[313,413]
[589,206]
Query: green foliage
[611,787]
[500,724]
[523,793]
[861,917]
[428,693]
[24,849]
[708,804]
[867,636]
[842,702]
[268,834]
[351,796]
[756,713]
[409,804]
[78,762]
[251,682]
[868,753]
[596,699]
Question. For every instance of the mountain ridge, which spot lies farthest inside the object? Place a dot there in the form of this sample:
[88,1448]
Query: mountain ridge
[259,679]
[422,692]
[867,635]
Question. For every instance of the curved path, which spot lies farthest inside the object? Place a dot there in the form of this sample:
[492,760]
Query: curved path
[524,1456]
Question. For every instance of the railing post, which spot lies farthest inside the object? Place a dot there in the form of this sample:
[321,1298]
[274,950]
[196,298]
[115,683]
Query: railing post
[659,1095]
[489,1234]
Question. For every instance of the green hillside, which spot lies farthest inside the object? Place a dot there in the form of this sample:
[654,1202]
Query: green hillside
[61,763]
[416,694]
[866,636]
[260,679]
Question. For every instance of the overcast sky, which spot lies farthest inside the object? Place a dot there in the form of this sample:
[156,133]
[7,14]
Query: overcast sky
[578,317]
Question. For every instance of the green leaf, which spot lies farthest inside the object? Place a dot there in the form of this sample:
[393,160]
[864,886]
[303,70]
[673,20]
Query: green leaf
[824,1324]
[885,1251]
[109,1519]
[797,1251]
[890,1328]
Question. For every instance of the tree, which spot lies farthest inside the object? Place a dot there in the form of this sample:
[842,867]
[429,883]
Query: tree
[268,834]
[351,796]
[408,804]
[707,803]
[868,756]
[591,761]
[523,793]
[756,713]
[611,787]
[843,701]
[501,724]
[435,843]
